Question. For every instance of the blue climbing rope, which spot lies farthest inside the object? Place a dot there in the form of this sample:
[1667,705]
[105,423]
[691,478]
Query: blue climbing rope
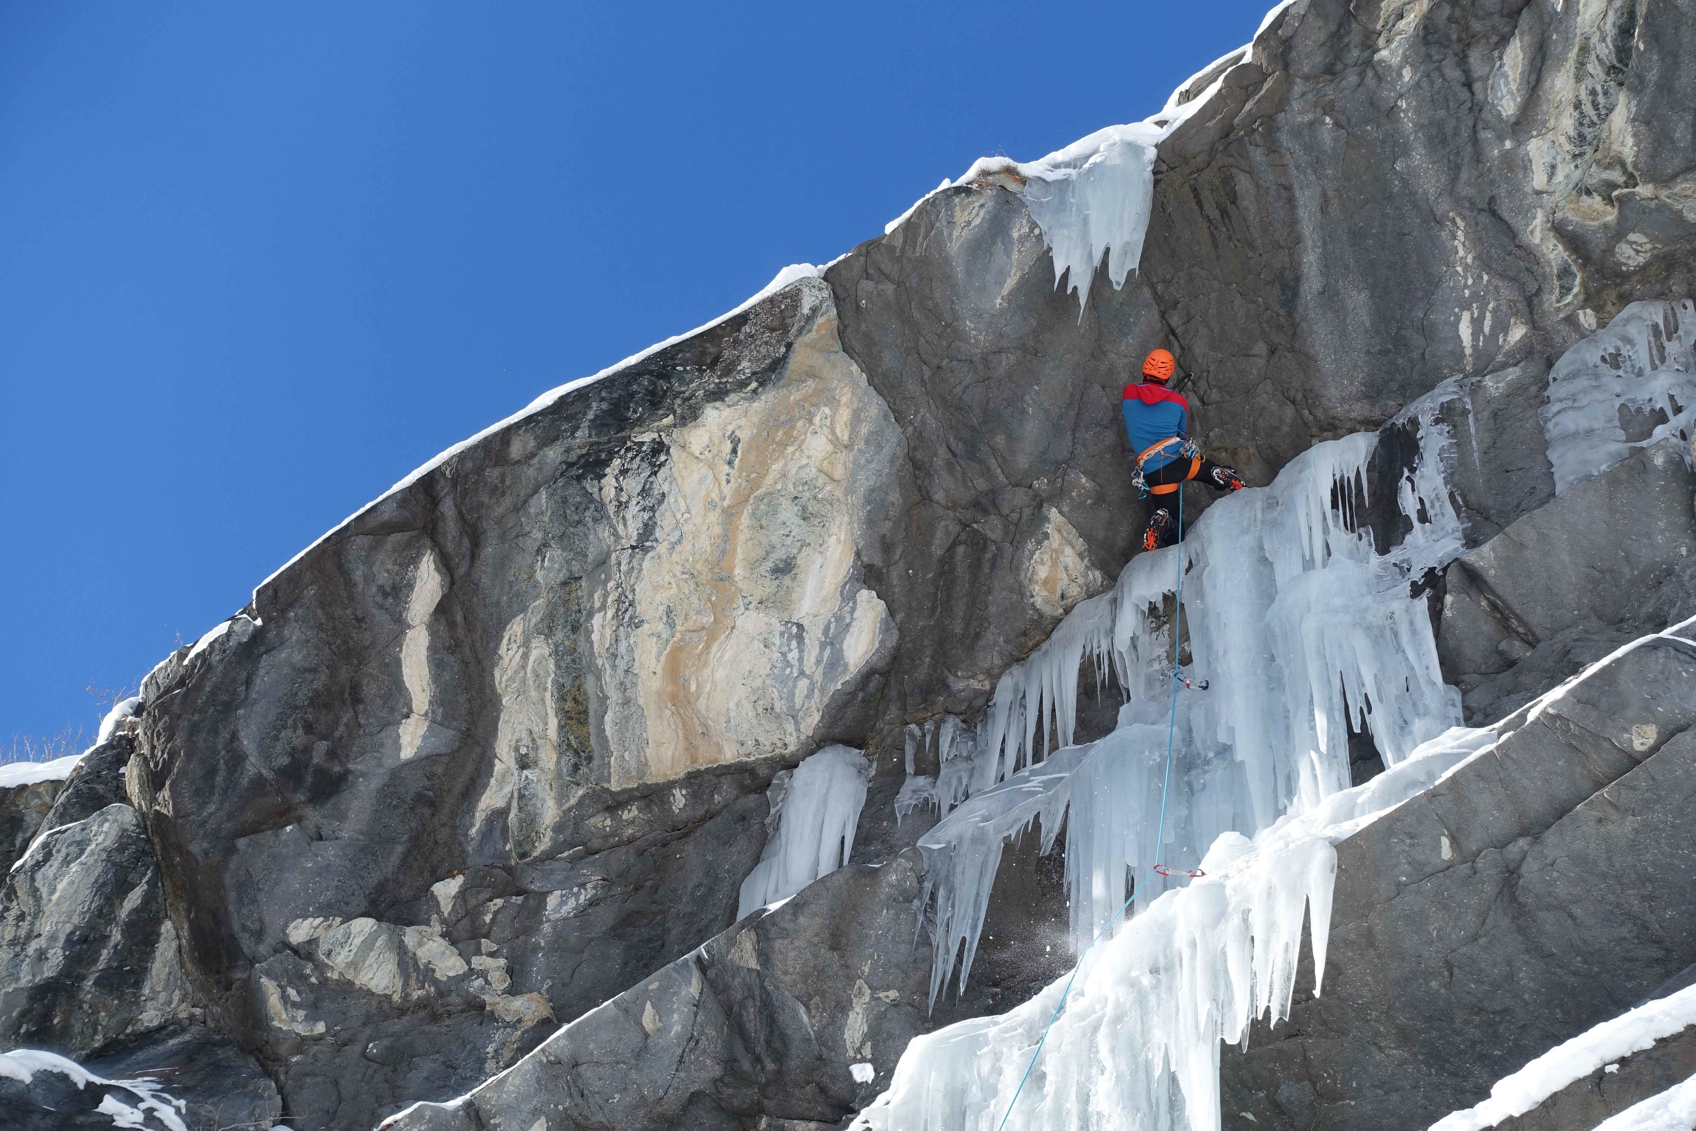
[1178,683]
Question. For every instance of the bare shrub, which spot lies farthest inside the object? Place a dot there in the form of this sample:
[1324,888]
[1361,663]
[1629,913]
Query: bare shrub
[36,748]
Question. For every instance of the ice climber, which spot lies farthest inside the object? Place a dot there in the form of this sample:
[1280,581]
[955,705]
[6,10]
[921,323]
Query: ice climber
[1157,419]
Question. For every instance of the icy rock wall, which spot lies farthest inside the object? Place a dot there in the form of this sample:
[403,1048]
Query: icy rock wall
[1303,629]
[1626,387]
[1093,198]
[815,813]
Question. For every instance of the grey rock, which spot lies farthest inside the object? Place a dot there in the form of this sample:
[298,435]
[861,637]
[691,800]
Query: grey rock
[758,1028]
[1567,583]
[1500,469]
[219,1087]
[23,808]
[1586,1102]
[1595,553]
[761,1027]
[1525,898]
[98,781]
[87,955]
[525,709]
[1536,670]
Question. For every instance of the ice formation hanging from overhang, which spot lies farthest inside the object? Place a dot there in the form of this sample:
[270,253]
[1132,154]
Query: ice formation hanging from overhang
[1303,627]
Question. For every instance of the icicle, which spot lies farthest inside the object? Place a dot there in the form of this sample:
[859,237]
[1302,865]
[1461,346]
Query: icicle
[812,824]
[1152,1002]
[957,750]
[1090,199]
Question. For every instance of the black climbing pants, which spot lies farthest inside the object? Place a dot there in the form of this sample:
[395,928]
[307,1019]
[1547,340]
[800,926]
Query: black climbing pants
[1178,471]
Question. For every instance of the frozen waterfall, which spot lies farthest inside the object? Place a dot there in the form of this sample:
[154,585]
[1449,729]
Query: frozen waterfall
[1305,631]
[954,745]
[1138,1043]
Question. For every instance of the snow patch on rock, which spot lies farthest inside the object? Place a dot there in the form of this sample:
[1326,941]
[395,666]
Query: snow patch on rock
[1628,386]
[29,773]
[145,1095]
[1593,1049]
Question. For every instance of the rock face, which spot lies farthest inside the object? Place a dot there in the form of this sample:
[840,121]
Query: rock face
[1389,193]
[23,808]
[215,1086]
[87,956]
[1521,900]
[1565,585]
[764,1025]
[97,782]
[45,796]
[466,773]
[498,746]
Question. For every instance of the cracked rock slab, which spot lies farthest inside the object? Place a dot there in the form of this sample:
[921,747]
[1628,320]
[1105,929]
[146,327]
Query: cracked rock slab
[1537,890]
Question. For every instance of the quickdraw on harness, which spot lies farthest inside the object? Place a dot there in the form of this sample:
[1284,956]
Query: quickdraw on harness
[1186,450]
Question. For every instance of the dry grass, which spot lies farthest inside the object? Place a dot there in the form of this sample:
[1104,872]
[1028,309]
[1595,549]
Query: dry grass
[35,748]
[71,740]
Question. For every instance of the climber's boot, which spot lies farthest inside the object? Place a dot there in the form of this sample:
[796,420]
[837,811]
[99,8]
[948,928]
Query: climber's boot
[1226,479]
[1162,530]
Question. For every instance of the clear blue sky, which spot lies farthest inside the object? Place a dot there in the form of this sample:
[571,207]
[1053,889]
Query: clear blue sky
[258,261]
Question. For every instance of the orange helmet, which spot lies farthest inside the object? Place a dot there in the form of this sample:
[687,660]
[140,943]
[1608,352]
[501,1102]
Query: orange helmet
[1159,366]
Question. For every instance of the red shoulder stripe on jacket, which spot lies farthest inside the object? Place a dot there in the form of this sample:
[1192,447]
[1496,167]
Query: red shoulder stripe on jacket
[1148,392]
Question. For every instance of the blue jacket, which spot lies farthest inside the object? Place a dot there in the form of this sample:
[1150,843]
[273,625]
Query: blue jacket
[1154,413]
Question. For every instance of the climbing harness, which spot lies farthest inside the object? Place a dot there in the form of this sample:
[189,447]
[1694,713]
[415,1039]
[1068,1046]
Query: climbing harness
[1187,450]
[1160,831]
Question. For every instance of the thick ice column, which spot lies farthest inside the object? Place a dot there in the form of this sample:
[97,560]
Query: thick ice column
[814,817]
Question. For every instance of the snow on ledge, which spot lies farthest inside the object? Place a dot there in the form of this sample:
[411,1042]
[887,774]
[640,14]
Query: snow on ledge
[1573,1060]
[1084,163]
[1671,1110]
[121,710]
[790,274]
[29,773]
[1093,197]
[22,1065]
